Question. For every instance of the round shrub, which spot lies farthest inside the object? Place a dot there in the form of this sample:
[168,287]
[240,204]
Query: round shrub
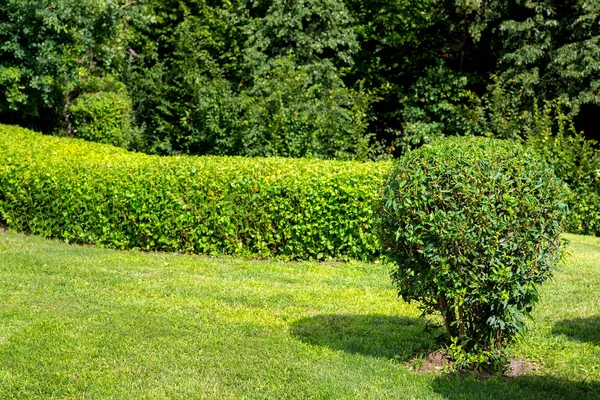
[472,226]
[103,117]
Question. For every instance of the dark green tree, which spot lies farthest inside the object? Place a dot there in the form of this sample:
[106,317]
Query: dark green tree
[247,78]
[48,48]
[554,52]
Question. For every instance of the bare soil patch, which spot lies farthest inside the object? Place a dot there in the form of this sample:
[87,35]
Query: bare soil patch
[520,367]
[437,361]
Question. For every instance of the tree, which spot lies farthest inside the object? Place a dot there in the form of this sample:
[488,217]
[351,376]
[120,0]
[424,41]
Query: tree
[247,78]
[554,52]
[48,48]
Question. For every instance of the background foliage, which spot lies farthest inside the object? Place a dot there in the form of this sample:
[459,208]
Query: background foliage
[47,49]
[331,79]
[255,79]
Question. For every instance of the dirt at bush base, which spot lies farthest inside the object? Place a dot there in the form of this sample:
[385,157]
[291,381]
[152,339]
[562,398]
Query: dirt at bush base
[437,361]
[520,367]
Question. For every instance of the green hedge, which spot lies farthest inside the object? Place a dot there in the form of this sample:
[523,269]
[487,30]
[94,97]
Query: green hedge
[98,194]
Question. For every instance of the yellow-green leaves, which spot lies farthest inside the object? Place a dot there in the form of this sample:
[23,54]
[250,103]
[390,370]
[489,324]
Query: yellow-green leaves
[98,194]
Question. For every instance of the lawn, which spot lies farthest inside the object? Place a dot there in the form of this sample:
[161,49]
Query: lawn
[82,322]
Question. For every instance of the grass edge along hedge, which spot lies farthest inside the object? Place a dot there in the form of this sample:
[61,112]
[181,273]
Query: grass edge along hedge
[91,193]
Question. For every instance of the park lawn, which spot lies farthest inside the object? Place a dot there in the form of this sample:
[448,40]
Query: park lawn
[82,322]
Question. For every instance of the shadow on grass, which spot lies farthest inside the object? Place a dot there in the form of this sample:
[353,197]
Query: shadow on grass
[580,329]
[523,388]
[397,338]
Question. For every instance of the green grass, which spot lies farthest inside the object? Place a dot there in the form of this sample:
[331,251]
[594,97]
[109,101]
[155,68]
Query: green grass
[82,322]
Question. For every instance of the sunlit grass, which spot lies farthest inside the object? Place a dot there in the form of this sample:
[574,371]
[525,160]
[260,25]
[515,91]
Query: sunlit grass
[81,322]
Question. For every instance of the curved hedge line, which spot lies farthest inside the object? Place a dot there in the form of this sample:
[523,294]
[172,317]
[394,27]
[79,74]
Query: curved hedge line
[98,194]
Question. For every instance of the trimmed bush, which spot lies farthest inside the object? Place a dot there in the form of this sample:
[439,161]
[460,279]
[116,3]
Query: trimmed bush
[91,193]
[473,225]
[103,117]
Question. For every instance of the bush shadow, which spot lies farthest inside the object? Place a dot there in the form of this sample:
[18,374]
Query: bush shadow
[453,387]
[580,329]
[397,338]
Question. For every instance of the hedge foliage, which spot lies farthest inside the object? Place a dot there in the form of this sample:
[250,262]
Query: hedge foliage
[92,193]
[473,226]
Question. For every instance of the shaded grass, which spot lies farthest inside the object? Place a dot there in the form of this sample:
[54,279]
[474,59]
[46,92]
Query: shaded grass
[395,338]
[81,322]
[582,329]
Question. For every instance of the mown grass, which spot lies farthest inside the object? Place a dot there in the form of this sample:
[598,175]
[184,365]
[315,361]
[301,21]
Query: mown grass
[82,322]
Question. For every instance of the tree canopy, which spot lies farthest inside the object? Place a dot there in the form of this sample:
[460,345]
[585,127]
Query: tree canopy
[318,78]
